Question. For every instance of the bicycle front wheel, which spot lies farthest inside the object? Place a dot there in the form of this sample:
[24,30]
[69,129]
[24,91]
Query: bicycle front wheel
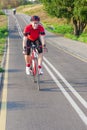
[36,75]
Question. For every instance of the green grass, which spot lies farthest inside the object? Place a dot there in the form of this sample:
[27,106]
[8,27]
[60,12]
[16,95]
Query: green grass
[3,32]
[3,36]
[67,31]
[71,36]
[61,29]
[1,70]
[1,12]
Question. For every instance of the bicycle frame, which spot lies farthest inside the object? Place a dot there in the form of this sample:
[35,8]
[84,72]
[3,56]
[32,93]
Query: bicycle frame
[34,65]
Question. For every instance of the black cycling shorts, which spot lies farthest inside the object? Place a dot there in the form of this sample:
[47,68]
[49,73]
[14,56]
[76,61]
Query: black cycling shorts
[37,43]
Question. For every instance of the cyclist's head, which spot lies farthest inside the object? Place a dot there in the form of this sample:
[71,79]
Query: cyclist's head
[35,21]
[35,18]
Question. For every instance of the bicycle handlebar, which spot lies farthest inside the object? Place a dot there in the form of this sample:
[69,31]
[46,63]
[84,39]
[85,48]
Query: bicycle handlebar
[33,46]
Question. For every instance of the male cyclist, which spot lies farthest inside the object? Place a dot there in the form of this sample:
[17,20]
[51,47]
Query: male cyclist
[34,32]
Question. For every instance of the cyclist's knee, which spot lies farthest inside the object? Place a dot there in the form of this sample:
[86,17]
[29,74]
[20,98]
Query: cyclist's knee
[28,52]
[40,51]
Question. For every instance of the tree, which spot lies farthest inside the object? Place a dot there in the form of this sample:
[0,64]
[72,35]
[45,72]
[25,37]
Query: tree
[75,10]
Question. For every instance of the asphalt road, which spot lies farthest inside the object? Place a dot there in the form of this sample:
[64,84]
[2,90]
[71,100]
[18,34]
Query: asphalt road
[61,104]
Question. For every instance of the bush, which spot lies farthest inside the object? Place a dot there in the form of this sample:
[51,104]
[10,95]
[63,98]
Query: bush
[1,70]
[1,12]
[3,32]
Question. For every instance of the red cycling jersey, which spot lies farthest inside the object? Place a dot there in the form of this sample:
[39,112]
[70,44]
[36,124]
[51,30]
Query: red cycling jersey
[33,34]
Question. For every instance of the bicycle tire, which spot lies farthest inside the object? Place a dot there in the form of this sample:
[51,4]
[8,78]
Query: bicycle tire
[33,69]
[38,81]
[36,75]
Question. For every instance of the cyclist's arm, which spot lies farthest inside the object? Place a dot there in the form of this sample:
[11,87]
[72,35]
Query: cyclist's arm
[26,32]
[42,35]
[24,41]
[42,38]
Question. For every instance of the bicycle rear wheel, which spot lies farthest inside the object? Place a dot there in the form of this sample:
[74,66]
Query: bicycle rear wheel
[36,75]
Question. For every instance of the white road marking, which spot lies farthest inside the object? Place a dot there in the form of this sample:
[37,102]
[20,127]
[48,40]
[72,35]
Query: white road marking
[69,52]
[83,102]
[68,97]
[18,26]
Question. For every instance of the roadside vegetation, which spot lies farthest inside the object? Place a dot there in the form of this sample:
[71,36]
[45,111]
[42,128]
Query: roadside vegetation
[56,25]
[3,36]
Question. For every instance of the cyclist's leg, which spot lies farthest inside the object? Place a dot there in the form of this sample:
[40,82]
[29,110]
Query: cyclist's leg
[28,57]
[40,51]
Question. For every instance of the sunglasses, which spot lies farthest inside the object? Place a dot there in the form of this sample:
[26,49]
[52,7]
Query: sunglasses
[36,22]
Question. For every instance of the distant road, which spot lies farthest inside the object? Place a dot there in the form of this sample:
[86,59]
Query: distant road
[61,104]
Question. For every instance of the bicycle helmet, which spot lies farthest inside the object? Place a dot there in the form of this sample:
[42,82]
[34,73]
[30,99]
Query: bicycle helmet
[35,18]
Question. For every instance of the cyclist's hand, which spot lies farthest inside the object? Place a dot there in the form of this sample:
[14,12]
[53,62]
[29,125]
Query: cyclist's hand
[45,48]
[24,50]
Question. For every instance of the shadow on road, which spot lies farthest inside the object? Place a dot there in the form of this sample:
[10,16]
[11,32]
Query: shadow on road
[14,70]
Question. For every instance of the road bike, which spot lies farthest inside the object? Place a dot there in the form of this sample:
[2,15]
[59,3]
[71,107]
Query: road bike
[34,65]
